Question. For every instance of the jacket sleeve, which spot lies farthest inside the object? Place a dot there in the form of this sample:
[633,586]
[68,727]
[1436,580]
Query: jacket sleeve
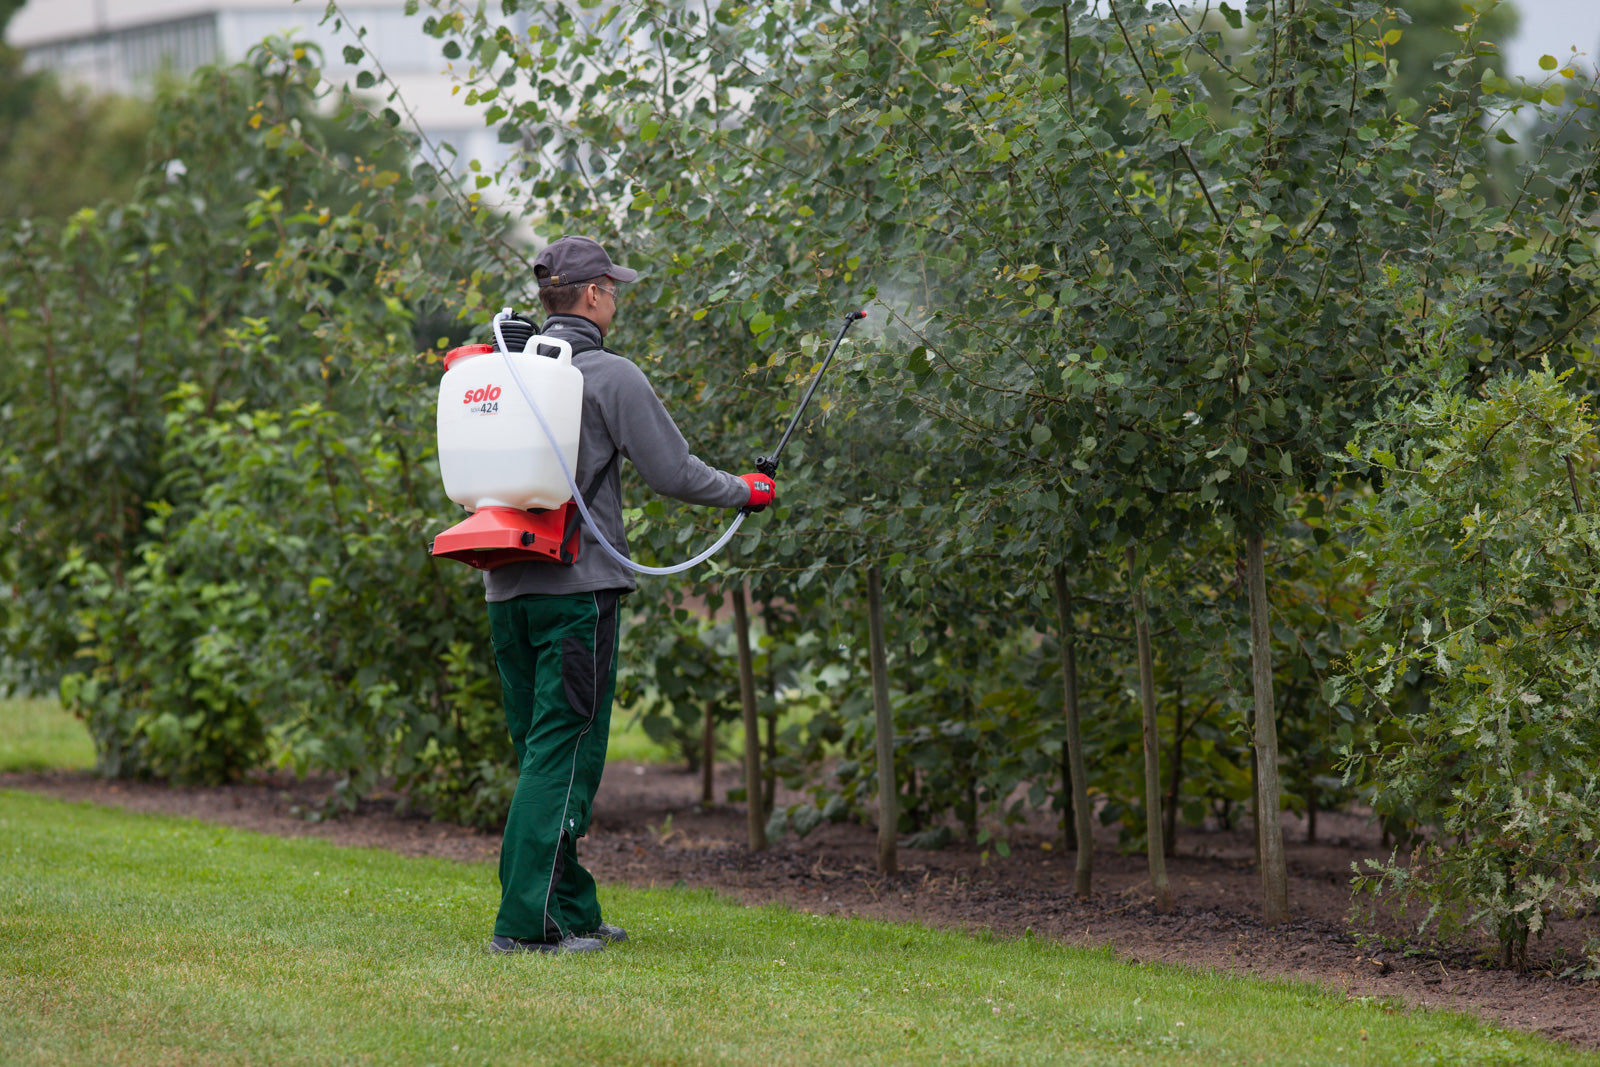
[647,436]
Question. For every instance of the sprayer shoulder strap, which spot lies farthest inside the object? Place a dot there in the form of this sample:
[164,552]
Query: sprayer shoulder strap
[600,476]
[575,517]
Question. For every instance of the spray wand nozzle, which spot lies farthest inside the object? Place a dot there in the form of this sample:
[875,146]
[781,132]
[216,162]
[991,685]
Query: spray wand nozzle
[768,465]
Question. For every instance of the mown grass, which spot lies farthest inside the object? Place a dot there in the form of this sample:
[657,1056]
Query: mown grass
[37,735]
[138,939]
[628,741]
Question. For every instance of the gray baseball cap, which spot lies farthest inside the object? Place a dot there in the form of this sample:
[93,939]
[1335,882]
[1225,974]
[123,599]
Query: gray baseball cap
[576,259]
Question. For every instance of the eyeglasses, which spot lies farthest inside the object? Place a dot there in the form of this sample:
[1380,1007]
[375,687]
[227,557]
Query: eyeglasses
[612,292]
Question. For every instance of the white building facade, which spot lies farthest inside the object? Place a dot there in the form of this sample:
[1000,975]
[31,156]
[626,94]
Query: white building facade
[124,45]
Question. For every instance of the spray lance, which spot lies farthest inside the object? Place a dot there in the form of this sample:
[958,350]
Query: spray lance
[768,465]
[537,518]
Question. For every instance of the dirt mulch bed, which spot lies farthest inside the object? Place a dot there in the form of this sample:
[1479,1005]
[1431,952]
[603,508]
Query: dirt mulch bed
[649,830]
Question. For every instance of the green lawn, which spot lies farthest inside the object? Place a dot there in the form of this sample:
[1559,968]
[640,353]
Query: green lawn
[137,939]
[628,741]
[36,735]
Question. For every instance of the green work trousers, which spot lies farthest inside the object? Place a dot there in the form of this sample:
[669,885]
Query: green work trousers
[558,672]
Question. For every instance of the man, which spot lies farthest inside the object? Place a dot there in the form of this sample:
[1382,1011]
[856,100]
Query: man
[555,626]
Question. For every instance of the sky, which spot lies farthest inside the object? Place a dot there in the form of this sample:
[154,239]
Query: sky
[1553,28]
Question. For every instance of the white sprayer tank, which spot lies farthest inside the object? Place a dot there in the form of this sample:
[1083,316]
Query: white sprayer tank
[492,452]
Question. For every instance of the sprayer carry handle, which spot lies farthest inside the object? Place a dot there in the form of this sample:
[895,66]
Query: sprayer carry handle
[538,341]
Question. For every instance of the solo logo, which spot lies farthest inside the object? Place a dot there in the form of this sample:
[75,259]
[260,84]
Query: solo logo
[478,396]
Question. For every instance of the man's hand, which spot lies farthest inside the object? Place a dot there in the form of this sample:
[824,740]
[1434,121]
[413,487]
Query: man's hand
[763,491]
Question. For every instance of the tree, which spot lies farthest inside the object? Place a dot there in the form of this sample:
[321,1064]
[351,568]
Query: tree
[1195,310]
[1134,278]
[1147,271]
[63,149]
[231,449]
[1428,33]
[1480,551]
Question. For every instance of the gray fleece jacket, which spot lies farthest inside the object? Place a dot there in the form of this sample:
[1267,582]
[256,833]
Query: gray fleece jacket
[621,416]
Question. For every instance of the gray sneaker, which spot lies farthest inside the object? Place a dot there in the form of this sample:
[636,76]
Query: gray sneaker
[609,934]
[507,946]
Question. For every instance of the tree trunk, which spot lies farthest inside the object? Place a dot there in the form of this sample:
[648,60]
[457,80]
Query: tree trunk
[756,818]
[1274,869]
[1077,779]
[967,812]
[1176,780]
[1069,825]
[1152,747]
[1255,790]
[708,754]
[888,795]
[708,742]
[769,783]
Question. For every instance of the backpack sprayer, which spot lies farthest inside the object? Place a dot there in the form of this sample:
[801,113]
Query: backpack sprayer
[509,458]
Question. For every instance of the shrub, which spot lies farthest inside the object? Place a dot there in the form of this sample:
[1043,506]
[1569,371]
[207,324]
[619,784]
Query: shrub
[1484,554]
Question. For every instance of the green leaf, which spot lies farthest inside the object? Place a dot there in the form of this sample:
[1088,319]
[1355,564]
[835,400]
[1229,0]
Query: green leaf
[929,840]
[777,823]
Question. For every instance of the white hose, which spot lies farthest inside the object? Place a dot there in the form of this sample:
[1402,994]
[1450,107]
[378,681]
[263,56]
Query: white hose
[572,484]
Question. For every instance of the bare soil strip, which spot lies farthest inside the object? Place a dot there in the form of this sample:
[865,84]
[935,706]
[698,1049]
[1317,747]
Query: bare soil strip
[649,830]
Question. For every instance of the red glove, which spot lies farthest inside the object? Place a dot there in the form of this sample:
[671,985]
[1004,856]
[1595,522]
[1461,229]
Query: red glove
[763,491]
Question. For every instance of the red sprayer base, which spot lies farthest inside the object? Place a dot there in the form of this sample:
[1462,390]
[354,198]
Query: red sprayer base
[493,537]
